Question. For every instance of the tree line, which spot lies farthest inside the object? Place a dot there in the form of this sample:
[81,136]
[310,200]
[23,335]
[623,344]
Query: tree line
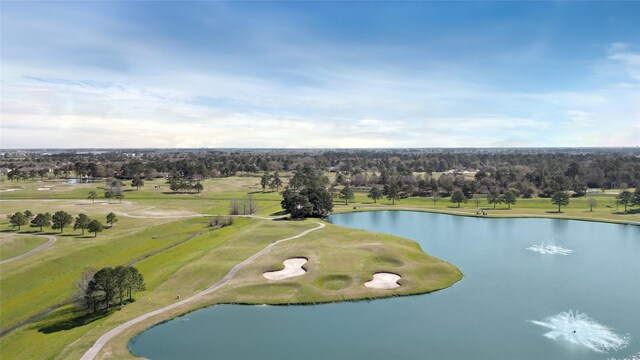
[59,221]
[530,171]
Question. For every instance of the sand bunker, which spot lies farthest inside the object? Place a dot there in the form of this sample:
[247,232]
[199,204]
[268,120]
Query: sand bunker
[383,281]
[44,188]
[292,267]
[8,190]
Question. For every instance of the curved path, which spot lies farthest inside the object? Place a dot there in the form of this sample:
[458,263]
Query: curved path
[51,238]
[93,351]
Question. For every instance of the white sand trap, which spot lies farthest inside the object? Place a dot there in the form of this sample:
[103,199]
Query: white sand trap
[383,281]
[292,267]
[9,190]
[44,188]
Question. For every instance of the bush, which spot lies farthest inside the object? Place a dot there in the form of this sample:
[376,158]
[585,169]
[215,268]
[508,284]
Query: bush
[220,221]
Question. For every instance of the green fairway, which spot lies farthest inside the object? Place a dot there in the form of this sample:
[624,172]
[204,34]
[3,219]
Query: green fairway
[12,245]
[606,209]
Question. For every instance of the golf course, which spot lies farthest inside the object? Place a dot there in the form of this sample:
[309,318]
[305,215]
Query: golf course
[168,238]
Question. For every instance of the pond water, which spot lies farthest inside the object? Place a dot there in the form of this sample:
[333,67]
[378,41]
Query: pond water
[513,303]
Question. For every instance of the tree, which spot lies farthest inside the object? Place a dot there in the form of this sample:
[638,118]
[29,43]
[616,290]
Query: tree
[636,197]
[95,227]
[122,278]
[264,181]
[17,220]
[135,281]
[275,182]
[82,221]
[137,183]
[477,200]
[308,178]
[108,194]
[458,197]
[198,188]
[235,207]
[108,284]
[102,289]
[28,215]
[469,187]
[436,198]
[81,285]
[392,191]
[347,194]
[296,204]
[375,194]
[592,202]
[41,220]
[509,198]
[93,196]
[579,187]
[625,198]
[311,185]
[320,200]
[252,205]
[119,195]
[433,185]
[111,219]
[494,198]
[560,198]
[61,220]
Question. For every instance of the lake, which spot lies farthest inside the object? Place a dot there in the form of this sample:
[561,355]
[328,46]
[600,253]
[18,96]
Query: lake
[487,315]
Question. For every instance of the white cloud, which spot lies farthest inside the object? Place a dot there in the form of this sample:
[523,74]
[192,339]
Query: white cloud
[342,97]
[625,54]
[578,118]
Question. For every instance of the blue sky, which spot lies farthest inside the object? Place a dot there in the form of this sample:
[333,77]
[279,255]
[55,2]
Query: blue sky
[319,74]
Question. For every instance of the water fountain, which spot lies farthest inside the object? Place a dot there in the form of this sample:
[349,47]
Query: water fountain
[549,248]
[580,329]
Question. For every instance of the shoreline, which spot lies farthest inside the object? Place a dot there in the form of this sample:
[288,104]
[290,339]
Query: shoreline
[377,297]
[489,216]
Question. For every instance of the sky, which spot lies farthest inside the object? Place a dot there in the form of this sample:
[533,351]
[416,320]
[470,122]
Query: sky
[134,74]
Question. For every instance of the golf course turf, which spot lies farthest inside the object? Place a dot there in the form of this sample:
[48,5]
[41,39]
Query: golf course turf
[169,241]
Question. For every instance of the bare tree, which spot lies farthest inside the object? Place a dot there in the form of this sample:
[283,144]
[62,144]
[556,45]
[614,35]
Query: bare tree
[252,205]
[235,207]
[81,285]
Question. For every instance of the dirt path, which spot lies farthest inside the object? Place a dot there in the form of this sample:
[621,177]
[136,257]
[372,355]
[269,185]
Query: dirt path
[51,238]
[93,351]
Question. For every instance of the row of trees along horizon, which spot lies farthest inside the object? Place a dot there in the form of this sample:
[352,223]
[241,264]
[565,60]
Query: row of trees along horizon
[531,172]
[310,193]
[59,221]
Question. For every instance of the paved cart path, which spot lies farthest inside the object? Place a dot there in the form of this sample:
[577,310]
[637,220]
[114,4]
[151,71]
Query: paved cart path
[51,238]
[93,351]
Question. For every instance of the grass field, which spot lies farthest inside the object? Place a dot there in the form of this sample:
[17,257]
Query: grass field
[12,245]
[606,209]
[167,238]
